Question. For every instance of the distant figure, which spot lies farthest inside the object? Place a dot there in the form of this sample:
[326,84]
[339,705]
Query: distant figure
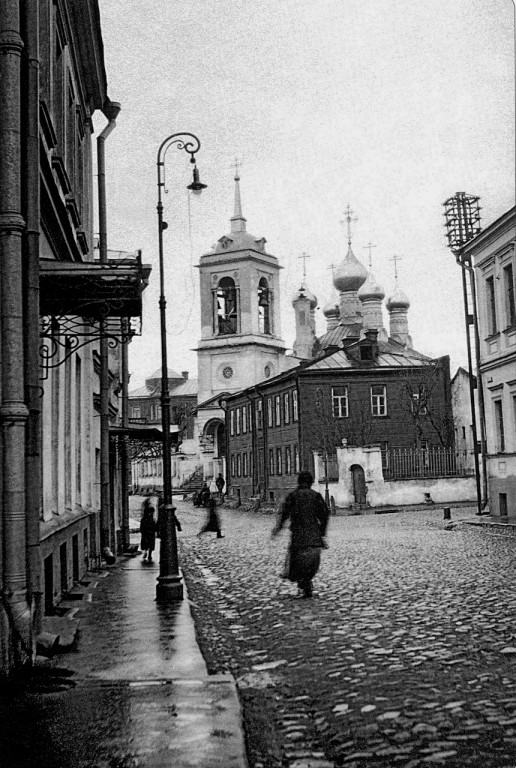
[203,496]
[213,487]
[308,515]
[148,532]
[212,521]
[220,483]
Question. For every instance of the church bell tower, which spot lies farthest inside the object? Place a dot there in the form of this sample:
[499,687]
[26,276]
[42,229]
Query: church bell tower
[240,311]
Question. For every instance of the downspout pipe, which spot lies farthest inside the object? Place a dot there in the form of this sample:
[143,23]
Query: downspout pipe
[30,245]
[111,110]
[15,617]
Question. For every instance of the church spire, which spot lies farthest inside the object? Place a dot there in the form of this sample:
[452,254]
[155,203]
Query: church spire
[237,220]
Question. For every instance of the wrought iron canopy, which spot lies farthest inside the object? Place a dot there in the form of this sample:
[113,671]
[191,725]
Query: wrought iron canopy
[93,290]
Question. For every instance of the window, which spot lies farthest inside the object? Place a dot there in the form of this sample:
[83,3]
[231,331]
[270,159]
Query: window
[237,421]
[270,412]
[244,419]
[156,413]
[295,412]
[245,466]
[286,408]
[264,306]
[279,462]
[277,402]
[259,414]
[499,426]
[232,422]
[339,398]
[288,460]
[226,309]
[233,465]
[136,412]
[271,461]
[463,433]
[296,458]
[491,306]
[239,465]
[378,400]
[510,306]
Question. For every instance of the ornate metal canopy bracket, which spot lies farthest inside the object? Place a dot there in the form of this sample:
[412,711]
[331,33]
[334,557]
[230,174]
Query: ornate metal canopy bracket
[62,336]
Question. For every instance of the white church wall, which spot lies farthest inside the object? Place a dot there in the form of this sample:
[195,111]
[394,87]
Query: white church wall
[382,492]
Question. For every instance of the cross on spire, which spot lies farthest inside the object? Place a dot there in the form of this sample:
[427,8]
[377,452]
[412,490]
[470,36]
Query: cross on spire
[348,220]
[237,163]
[332,267]
[304,256]
[395,259]
[370,246]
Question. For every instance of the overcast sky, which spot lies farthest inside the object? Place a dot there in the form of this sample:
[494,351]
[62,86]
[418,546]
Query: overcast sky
[388,105]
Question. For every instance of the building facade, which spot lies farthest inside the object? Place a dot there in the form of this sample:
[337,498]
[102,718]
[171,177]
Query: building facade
[60,386]
[371,393]
[492,253]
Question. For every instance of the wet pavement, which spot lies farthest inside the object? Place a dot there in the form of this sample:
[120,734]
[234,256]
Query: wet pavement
[134,693]
[406,656]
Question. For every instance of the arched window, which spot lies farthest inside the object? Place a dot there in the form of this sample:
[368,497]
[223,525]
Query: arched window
[264,306]
[226,309]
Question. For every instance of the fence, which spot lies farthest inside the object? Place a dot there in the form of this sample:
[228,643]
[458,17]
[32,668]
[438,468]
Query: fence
[405,463]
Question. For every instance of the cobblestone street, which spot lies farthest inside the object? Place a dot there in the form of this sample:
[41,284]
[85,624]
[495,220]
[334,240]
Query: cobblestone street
[405,656]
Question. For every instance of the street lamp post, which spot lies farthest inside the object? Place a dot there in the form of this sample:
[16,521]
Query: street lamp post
[169,586]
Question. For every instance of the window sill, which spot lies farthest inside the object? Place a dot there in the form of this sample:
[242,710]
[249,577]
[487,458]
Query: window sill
[492,336]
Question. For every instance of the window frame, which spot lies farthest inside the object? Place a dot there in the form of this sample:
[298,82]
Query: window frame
[378,401]
[295,406]
[492,320]
[277,410]
[338,401]
[286,407]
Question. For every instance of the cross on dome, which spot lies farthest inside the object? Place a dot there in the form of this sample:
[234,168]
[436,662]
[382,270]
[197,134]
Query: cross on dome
[237,163]
[304,256]
[348,219]
[395,259]
[370,246]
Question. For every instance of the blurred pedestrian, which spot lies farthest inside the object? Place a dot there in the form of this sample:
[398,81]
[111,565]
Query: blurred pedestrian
[204,495]
[220,483]
[308,515]
[213,486]
[148,532]
[212,521]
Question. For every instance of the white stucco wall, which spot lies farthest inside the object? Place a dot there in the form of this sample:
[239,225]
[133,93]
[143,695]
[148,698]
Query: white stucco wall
[390,493]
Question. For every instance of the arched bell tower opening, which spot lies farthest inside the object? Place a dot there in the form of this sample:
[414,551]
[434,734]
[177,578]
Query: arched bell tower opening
[264,306]
[226,316]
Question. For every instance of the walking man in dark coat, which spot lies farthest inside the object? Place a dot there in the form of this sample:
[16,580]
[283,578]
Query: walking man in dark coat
[308,516]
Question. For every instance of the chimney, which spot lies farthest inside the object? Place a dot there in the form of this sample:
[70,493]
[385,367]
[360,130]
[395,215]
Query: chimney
[184,374]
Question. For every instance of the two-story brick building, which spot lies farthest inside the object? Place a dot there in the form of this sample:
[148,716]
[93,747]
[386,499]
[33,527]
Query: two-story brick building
[372,392]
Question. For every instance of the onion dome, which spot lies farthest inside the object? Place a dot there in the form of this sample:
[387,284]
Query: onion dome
[350,274]
[398,300]
[371,289]
[303,293]
[331,309]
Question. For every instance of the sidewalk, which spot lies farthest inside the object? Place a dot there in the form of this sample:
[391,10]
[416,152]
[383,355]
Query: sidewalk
[134,694]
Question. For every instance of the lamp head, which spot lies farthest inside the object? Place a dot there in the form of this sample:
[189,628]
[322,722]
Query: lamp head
[196,186]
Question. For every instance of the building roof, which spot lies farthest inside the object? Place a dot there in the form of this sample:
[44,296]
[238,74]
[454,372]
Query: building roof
[187,388]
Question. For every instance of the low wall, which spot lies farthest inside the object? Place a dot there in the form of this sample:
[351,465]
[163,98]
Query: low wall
[380,492]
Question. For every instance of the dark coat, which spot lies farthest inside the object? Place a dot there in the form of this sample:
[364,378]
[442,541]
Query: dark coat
[308,516]
[148,532]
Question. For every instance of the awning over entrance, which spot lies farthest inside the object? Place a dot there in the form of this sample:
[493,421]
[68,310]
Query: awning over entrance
[93,290]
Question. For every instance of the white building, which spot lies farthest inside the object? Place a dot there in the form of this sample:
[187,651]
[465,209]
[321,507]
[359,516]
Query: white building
[493,256]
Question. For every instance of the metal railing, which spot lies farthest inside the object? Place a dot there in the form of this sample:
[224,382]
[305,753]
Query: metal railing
[405,463]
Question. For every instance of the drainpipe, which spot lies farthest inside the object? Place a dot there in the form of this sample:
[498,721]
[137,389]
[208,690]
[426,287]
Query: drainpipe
[31,210]
[13,411]
[111,110]
[124,460]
